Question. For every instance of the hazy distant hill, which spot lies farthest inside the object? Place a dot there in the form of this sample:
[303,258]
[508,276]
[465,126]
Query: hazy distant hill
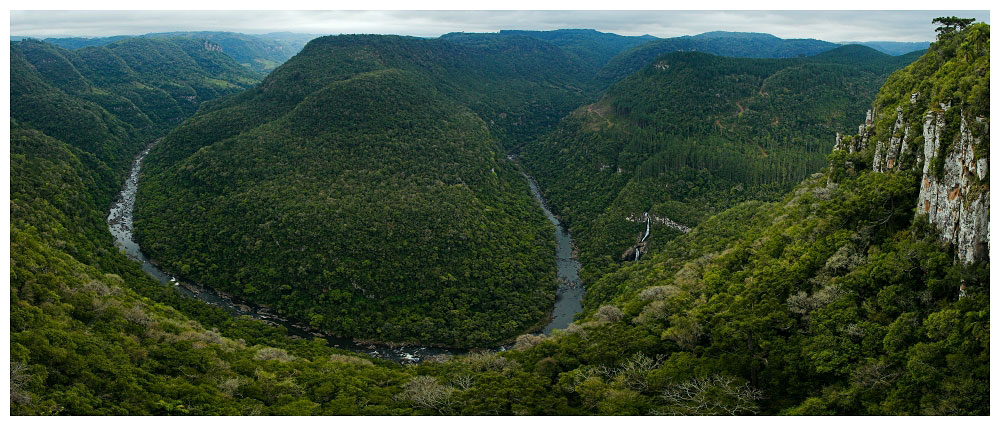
[722,43]
[74,43]
[260,52]
[592,47]
[894,48]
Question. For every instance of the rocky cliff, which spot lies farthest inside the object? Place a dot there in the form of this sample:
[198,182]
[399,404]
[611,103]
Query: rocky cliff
[955,195]
[940,129]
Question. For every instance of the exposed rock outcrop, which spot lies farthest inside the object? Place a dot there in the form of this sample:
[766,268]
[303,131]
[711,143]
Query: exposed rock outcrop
[212,47]
[954,190]
[956,199]
[889,155]
[857,143]
[634,252]
[659,220]
[641,245]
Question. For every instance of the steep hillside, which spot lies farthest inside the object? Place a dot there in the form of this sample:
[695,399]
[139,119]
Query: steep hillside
[722,43]
[848,296]
[691,135]
[259,52]
[90,332]
[933,119]
[519,86]
[110,100]
[382,207]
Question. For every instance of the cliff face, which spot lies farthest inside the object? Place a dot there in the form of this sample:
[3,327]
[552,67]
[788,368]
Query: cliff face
[956,198]
[932,118]
[954,190]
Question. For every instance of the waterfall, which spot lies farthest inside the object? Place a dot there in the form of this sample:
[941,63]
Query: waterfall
[638,247]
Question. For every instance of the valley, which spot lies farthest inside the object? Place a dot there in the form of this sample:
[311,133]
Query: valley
[559,222]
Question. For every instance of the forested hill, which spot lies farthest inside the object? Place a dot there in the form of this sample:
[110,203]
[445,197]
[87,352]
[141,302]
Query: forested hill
[894,47]
[259,52]
[519,86]
[847,296]
[382,206]
[691,135]
[90,332]
[722,43]
[593,48]
[110,100]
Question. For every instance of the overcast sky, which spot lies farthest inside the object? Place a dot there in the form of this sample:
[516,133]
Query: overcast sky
[824,25]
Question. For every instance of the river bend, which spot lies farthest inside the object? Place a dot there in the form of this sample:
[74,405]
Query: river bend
[569,295]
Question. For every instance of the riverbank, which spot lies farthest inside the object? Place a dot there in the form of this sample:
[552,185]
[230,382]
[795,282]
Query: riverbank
[568,301]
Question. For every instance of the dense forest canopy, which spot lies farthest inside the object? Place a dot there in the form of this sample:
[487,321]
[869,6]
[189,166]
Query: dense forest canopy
[382,206]
[692,134]
[91,333]
[110,100]
[836,298]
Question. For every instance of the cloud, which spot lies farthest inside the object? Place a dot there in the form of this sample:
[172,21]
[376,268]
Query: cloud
[824,25]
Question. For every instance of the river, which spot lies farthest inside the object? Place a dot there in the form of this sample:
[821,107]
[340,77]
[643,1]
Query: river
[568,296]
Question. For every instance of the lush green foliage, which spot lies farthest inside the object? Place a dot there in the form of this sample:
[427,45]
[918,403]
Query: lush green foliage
[359,197]
[693,134]
[91,333]
[834,300]
[103,99]
[954,73]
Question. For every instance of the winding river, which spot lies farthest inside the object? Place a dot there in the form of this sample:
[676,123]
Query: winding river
[569,296]
[568,303]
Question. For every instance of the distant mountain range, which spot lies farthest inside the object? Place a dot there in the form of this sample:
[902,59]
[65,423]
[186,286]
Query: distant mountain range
[894,48]
[264,52]
[591,47]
